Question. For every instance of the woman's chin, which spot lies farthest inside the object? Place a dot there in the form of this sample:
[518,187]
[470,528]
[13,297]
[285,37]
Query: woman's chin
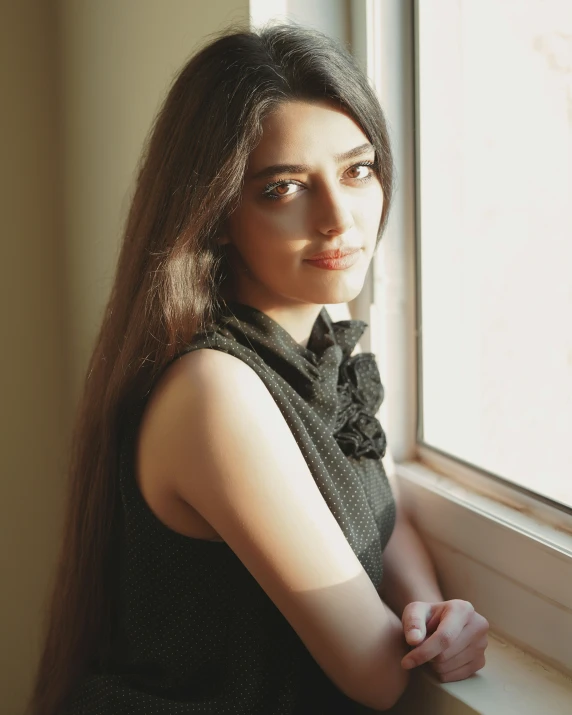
[344,292]
[346,288]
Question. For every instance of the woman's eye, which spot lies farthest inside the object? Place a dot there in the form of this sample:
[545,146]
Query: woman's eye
[277,191]
[365,169]
[281,189]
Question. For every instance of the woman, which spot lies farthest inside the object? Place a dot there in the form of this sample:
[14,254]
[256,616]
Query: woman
[228,507]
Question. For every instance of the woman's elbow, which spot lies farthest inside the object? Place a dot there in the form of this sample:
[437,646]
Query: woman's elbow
[384,693]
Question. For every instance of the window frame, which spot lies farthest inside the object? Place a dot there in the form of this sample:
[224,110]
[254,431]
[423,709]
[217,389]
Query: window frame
[497,545]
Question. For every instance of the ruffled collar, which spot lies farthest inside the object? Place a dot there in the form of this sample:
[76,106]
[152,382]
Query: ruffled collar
[325,333]
[344,390]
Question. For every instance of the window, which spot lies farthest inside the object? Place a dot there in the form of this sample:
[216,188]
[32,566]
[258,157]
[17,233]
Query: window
[481,221]
[494,209]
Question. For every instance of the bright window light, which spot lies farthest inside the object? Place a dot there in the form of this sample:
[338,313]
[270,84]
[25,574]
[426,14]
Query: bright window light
[495,220]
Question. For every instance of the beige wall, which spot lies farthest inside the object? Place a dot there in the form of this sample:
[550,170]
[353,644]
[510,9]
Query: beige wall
[33,357]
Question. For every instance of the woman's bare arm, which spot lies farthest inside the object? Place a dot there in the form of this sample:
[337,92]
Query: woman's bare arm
[408,571]
[231,455]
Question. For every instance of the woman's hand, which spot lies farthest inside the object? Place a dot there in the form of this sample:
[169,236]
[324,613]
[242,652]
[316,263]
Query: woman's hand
[450,635]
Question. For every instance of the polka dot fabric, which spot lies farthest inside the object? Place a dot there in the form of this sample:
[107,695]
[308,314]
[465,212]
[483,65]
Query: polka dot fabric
[195,633]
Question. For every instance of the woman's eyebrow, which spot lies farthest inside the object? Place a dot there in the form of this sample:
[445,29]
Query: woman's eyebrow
[303,168]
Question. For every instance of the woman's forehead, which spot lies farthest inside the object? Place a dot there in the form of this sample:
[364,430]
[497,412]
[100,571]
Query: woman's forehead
[304,133]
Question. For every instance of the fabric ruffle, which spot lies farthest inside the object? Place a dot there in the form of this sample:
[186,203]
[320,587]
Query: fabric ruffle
[359,390]
[345,390]
[360,394]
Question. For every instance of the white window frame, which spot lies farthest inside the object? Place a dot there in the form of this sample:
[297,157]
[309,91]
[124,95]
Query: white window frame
[501,547]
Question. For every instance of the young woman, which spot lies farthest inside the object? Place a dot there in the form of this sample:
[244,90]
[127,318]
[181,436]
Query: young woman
[229,517]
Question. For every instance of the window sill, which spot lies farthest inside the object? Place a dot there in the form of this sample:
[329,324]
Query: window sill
[511,683]
[514,569]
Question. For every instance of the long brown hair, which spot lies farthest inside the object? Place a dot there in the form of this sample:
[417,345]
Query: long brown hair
[168,286]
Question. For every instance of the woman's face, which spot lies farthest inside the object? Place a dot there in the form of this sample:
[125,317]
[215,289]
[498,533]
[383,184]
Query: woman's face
[325,196]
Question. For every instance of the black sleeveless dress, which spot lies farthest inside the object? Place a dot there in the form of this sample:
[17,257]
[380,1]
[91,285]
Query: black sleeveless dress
[195,632]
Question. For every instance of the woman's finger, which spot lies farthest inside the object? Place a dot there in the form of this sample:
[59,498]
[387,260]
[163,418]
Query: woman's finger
[465,671]
[452,623]
[470,653]
[473,634]
[414,618]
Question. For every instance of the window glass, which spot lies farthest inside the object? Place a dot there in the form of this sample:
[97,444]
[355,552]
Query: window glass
[495,236]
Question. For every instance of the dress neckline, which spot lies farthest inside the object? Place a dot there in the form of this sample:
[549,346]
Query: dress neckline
[344,390]
[324,333]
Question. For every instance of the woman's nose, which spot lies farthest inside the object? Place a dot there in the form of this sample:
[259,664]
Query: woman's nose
[335,216]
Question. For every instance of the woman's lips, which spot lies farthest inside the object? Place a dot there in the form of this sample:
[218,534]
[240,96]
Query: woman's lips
[336,264]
